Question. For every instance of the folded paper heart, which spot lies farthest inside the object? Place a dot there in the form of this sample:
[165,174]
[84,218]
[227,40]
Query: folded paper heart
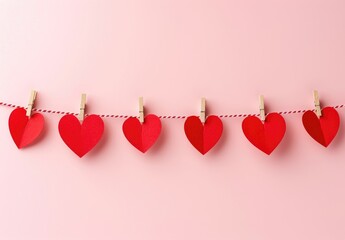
[266,135]
[323,129]
[81,137]
[25,130]
[142,136]
[203,136]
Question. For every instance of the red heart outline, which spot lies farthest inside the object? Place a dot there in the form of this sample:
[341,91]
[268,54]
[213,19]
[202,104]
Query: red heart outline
[203,136]
[323,129]
[266,135]
[81,137]
[25,130]
[142,136]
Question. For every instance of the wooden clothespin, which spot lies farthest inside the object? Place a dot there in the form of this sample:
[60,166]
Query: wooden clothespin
[317,104]
[203,110]
[31,103]
[141,110]
[262,108]
[81,115]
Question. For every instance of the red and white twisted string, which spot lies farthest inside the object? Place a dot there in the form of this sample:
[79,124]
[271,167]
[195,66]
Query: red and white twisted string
[162,117]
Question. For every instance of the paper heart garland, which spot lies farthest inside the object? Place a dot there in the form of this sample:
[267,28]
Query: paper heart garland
[25,130]
[203,136]
[142,136]
[266,135]
[323,129]
[81,137]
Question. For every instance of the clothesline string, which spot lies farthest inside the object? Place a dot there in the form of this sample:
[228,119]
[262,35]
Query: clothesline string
[162,116]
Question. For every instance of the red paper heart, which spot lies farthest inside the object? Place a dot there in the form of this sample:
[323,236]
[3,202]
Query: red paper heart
[81,137]
[266,135]
[322,129]
[142,136]
[25,130]
[203,136]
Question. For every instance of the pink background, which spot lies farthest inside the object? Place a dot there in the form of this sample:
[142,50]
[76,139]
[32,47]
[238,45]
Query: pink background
[172,53]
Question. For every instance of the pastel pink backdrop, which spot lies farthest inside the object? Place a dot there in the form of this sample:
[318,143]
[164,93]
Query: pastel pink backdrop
[172,53]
